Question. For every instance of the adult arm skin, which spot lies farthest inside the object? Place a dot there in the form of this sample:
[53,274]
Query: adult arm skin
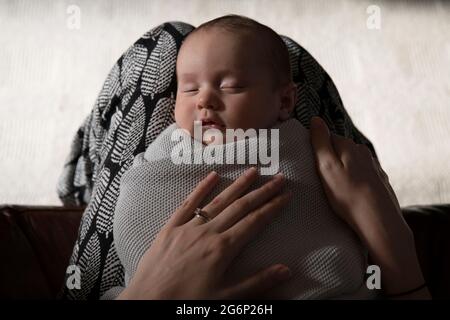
[360,193]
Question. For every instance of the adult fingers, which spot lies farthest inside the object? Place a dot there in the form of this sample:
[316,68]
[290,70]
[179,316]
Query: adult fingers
[185,212]
[230,194]
[241,207]
[257,285]
[343,148]
[322,144]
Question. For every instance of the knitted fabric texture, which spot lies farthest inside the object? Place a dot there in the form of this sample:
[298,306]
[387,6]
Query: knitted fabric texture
[324,255]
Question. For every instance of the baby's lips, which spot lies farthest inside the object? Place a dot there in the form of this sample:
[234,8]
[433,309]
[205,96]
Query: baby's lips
[212,123]
[214,126]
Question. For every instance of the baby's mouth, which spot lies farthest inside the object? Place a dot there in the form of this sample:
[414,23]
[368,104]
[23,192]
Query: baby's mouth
[208,135]
[212,124]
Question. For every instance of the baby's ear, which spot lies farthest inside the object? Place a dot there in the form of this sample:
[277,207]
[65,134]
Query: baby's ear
[287,98]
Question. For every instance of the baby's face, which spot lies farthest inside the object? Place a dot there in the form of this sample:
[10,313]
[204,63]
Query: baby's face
[224,82]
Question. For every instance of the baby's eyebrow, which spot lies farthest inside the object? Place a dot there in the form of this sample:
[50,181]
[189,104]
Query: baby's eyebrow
[187,76]
[231,72]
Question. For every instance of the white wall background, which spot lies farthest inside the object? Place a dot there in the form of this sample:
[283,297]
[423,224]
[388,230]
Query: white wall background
[395,81]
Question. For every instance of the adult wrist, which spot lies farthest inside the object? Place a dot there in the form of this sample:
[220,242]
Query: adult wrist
[396,256]
[407,293]
[378,224]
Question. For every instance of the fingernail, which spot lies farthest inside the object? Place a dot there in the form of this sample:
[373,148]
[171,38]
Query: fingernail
[318,121]
[315,120]
[283,272]
[212,175]
[279,176]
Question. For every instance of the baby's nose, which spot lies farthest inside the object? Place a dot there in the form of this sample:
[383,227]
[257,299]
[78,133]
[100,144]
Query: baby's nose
[207,102]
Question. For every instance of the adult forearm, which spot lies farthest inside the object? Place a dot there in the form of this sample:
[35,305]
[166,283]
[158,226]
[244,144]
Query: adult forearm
[392,248]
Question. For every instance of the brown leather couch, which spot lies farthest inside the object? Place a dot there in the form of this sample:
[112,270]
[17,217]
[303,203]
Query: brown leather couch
[35,247]
[36,243]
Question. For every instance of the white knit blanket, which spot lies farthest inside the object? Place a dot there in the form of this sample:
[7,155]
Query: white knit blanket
[325,256]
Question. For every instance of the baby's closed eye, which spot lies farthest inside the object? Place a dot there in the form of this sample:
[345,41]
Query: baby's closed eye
[232,88]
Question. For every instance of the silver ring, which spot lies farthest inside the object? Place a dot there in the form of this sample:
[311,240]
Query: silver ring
[199,213]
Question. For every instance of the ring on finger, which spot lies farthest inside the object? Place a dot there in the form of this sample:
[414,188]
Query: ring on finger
[199,213]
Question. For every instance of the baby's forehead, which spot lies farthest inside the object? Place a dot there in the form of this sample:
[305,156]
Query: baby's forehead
[249,55]
[242,39]
[244,45]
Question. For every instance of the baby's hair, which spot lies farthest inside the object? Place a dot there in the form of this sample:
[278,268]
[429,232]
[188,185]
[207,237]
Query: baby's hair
[278,55]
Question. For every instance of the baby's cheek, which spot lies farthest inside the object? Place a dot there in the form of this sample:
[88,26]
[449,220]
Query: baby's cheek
[185,120]
[180,114]
[235,116]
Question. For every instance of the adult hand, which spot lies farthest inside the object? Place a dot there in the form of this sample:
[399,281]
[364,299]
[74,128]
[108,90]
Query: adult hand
[358,190]
[356,186]
[190,257]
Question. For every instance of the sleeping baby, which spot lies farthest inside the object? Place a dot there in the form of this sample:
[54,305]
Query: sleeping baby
[234,76]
